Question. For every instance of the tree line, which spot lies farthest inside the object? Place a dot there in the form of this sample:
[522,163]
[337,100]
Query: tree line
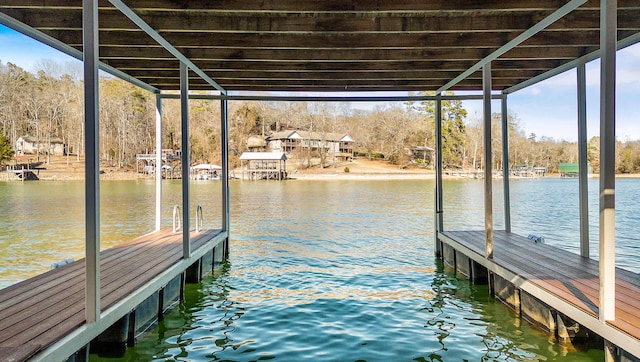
[49,104]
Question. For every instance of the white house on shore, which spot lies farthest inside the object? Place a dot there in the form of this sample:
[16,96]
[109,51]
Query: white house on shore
[29,145]
[334,144]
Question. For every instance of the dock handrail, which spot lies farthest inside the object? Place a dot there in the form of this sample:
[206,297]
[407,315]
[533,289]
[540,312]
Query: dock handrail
[199,218]
[176,214]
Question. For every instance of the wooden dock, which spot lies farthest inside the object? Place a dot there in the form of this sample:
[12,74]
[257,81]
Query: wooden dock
[565,281]
[41,311]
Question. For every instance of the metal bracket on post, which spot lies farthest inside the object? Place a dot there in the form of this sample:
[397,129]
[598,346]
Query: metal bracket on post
[176,216]
[199,218]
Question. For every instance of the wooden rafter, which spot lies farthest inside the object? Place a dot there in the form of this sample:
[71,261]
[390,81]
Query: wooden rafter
[331,44]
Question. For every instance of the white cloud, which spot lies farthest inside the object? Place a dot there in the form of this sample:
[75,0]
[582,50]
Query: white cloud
[633,50]
[628,76]
[535,90]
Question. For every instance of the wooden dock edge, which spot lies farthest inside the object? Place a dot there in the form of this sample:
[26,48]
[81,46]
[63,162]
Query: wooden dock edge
[453,252]
[74,346]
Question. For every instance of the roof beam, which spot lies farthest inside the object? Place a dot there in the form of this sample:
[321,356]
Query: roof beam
[503,41]
[564,10]
[70,51]
[413,74]
[336,54]
[157,37]
[293,98]
[435,65]
[570,65]
[234,22]
[333,6]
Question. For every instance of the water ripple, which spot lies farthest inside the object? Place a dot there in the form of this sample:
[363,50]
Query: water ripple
[346,279]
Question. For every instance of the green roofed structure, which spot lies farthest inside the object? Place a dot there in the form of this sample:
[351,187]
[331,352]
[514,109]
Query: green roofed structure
[571,170]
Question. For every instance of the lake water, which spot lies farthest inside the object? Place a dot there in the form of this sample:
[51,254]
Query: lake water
[321,270]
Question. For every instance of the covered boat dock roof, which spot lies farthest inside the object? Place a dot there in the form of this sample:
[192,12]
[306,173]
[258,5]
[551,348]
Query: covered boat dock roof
[330,45]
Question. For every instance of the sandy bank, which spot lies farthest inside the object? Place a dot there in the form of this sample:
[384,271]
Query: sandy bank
[362,176]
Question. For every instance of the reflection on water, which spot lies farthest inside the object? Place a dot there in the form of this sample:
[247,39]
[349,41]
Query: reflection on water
[318,270]
[43,222]
[342,271]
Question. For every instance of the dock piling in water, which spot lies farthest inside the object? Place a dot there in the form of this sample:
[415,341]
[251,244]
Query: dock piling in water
[554,290]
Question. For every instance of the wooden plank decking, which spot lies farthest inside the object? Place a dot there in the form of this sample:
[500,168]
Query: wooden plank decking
[37,312]
[566,275]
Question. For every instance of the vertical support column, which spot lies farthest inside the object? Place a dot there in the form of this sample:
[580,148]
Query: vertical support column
[90,44]
[224,130]
[582,159]
[184,112]
[158,162]
[608,28]
[488,196]
[505,165]
[439,223]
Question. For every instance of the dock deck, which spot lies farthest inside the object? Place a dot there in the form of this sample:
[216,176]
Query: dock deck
[565,281]
[38,312]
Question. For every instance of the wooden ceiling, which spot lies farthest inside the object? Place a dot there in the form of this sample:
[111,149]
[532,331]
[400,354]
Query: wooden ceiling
[331,45]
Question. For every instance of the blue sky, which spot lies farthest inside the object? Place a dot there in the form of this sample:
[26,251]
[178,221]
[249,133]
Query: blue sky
[546,109]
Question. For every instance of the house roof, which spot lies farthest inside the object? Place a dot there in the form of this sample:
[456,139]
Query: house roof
[282,135]
[421,148]
[570,167]
[335,137]
[334,45]
[263,156]
[42,140]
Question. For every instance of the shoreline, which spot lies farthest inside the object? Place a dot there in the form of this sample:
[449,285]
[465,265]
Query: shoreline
[63,170]
[59,175]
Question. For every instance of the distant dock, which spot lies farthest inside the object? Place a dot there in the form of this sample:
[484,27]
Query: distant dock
[43,318]
[21,175]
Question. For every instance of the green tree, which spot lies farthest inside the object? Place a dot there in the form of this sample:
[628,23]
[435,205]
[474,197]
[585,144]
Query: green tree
[6,152]
[453,127]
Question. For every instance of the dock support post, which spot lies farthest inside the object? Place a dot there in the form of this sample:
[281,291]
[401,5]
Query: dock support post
[184,111]
[608,28]
[505,164]
[226,207]
[224,129]
[582,158]
[488,164]
[438,221]
[158,162]
[90,50]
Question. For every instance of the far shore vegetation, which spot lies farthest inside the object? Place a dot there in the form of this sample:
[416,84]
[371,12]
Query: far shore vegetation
[49,105]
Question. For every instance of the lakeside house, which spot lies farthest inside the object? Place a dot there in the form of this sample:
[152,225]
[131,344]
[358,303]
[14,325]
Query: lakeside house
[28,145]
[339,145]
